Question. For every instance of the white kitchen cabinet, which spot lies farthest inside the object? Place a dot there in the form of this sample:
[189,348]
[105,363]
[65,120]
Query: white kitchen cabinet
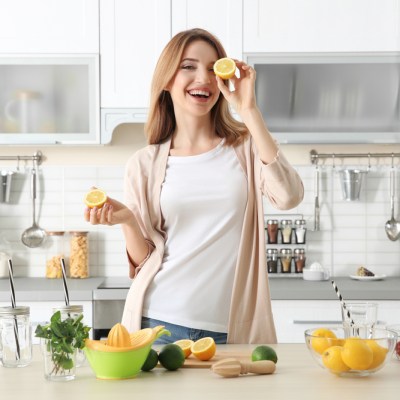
[48,26]
[41,311]
[222,18]
[132,36]
[293,317]
[321,25]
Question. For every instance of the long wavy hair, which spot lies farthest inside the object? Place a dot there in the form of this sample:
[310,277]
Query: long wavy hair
[161,121]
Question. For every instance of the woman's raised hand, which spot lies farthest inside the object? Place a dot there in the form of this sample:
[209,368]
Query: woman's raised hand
[113,212]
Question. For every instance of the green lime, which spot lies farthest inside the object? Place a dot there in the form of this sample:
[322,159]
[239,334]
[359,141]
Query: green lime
[151,361]
[171,357]
[264,353]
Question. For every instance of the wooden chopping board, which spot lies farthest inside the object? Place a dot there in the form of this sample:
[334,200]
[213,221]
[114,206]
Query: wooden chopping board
[193,362]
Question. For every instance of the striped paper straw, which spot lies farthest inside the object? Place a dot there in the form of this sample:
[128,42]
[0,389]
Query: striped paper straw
[342,302]
[13,304]
[64,276]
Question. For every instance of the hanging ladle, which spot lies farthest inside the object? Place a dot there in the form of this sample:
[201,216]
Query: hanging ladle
[392,226]
[33,236]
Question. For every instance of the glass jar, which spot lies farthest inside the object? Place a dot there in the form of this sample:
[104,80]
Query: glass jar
[54,369]
[15,337]
[286,260]
[300,231]
[272,231]
[286,231]
[72,311]
[55,252]
[79,255]
[272,261]
[299,260]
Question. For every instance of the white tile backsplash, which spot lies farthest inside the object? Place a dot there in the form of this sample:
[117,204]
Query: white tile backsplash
[352,233]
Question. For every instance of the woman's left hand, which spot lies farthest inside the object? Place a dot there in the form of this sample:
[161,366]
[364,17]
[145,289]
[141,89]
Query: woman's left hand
[243,97]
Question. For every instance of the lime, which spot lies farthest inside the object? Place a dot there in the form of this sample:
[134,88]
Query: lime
[264,353]
[151,361]
[171,357]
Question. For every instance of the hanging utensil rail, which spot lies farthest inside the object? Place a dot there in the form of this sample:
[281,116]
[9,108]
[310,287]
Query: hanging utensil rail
[315,156]
[38,157]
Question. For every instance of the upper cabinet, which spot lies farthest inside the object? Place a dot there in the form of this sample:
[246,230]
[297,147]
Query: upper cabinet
[321,25]
[48,26]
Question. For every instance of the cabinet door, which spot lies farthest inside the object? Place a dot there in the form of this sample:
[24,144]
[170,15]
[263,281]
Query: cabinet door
[321,25]
[222,18]
[48,26]
[132,36]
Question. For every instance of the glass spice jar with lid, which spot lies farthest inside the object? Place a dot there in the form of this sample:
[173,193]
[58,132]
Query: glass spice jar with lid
[286,260]
[55,252]
[300,231]
[272,261]
[299,260]
[286,231]
[79,255]
[272,231]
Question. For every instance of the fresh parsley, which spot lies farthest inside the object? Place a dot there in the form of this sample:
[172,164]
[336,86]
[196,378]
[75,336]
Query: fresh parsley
[62,337]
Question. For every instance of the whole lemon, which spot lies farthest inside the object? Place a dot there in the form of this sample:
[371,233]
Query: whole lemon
[378,353]
[357,354]
[332,359]
[323,339]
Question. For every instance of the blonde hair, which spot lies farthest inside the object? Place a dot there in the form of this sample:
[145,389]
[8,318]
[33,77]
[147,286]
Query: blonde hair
[161,121]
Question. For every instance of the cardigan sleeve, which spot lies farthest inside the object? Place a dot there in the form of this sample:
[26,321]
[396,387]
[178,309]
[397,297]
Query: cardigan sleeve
[280,182]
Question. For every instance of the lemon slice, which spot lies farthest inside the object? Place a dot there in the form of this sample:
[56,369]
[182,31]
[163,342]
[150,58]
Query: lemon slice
[95,198]
[225,68]
[185,345]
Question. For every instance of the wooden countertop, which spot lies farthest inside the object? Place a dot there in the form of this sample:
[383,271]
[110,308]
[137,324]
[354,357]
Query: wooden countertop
[297,377]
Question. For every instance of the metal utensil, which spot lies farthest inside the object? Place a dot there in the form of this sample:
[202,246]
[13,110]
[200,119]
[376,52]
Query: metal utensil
[33,236]
[316,201]
[392,226]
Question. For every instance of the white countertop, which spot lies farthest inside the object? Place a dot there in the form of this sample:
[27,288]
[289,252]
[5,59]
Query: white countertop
[297,377]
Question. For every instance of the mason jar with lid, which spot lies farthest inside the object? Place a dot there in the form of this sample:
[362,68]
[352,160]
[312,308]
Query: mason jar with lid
[299,259]
[15,336]
[272,231]
[286,231]
[286,260]
[79,255]
[300,231]
[72,311]
[55,252]
[272,261]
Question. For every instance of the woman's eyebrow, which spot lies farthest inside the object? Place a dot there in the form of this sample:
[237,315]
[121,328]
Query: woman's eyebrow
[190,59]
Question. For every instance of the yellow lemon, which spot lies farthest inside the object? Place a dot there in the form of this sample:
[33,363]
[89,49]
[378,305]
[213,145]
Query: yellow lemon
[357,354]
[378,353]
[204,349]
[332,359]
[225,68]
[185,345]
[323,341]
[95,198]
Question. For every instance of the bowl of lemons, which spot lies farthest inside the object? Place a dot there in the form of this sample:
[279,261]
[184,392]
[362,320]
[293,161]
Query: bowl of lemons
[349,355]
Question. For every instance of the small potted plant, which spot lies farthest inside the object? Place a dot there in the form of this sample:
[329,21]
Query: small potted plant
[61,338]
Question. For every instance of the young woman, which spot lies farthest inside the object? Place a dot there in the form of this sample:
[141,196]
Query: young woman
[193,214]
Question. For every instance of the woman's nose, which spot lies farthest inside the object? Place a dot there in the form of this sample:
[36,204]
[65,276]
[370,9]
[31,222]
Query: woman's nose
[203,75]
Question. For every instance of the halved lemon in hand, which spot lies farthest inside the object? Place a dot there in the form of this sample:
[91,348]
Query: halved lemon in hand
[225,68]
[204,349]
[95,198]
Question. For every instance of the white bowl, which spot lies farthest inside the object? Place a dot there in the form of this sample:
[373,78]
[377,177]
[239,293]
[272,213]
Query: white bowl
[314,275]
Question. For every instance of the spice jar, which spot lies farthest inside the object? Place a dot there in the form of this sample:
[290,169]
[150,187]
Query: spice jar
[286,231]
[55,252]
[300,231]
[272,261]
[79,255]
[15,337]
[72,311]
[286,260]
[272,231]
[299,259]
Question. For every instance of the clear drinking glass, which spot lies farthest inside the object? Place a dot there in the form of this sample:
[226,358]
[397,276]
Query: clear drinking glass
[359,319]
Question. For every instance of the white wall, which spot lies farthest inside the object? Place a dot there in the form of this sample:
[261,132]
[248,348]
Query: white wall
[352,233]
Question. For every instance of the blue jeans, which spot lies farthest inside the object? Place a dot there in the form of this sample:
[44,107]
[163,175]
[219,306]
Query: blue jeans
[182,332]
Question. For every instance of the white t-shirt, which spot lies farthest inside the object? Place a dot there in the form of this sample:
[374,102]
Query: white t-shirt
[203,200]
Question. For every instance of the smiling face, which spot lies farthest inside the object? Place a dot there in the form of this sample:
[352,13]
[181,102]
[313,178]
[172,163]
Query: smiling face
[194,90]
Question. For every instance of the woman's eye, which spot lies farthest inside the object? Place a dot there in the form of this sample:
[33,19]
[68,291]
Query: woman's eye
[187,67]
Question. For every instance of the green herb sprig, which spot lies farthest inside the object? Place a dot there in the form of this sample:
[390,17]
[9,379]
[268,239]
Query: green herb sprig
[63,336]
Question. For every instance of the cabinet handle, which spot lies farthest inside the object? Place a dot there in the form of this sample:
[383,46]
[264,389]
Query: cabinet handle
[308,322]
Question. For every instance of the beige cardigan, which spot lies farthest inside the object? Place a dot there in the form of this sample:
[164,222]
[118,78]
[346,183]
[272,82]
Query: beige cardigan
[250,318]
